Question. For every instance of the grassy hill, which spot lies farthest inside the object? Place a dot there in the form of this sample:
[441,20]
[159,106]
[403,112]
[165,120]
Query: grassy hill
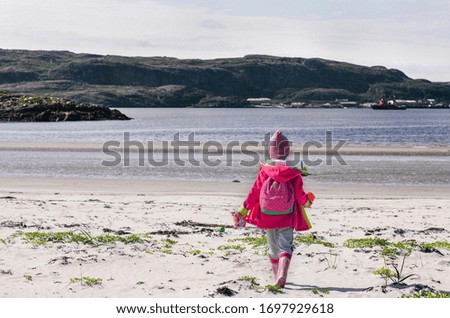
[228,82]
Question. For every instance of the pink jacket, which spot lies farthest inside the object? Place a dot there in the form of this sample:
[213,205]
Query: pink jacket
[280,173]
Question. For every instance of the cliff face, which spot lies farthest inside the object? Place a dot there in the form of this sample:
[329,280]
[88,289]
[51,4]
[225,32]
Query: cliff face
[162,81]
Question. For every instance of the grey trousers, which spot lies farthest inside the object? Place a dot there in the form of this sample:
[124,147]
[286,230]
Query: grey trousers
[279,241]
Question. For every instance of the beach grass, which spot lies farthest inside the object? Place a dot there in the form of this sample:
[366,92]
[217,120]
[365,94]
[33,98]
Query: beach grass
[43,238]
[428,294]
[312,239]
[231,247]
[318,291]
[251,279]
[391,248]
[365,243]
[86,280]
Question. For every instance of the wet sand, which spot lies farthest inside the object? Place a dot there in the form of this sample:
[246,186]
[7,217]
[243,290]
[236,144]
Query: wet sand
[395,166]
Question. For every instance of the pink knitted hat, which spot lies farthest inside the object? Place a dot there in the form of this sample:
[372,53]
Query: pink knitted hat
[278,146]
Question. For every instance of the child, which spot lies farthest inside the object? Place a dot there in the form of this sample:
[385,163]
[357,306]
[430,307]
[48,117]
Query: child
[275,203]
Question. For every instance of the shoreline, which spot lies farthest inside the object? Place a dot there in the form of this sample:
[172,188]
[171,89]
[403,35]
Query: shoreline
[17,184]
[393,166]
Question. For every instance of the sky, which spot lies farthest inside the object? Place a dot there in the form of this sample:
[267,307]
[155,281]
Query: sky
[410,35]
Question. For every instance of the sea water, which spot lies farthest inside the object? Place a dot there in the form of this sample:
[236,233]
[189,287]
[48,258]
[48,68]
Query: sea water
[414,128]
[417,127]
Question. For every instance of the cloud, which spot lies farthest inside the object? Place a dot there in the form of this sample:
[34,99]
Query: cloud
[382,32]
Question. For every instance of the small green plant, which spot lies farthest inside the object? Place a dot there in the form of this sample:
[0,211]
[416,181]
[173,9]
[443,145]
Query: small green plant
[405,245]
[140,283]
[258,244]
[168,243]
[391,252]
[312,239]
[317,291]
[365,243]
[2,241]
[125,239]
[392,248]
[438,244]
[428,294]
[195,252]
[253,241]
[257,288]
[396,275]
[86,280]
[88,236]
[28,277]
[385,273]
[42,238]
[273,288]
[231,247]
[250,279]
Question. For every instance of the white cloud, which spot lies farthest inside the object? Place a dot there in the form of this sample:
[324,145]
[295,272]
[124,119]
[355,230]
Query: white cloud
[411,37]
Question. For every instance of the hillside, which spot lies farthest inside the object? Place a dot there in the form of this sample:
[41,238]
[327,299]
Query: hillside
[163,81]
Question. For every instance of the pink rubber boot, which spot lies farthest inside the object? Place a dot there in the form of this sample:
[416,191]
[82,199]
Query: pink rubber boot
[283,267]
[274,263]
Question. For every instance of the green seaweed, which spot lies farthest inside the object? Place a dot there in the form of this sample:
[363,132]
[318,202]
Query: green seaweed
[318,291]
[43,238]
[168,243]
[438,244]
[86,280]
[312,239]
[428,294]
[231,247]
[273,288]
[195,252]
[392,249]
[248,279]
[253,241]
[366,243]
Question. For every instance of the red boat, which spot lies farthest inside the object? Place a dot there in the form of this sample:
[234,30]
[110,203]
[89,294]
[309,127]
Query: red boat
[389,105]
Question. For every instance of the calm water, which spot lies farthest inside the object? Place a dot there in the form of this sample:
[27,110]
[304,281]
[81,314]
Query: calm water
[358,126]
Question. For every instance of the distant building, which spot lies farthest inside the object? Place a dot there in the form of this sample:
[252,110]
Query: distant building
[407,102]
[298,105]
[263,101]
[348,104]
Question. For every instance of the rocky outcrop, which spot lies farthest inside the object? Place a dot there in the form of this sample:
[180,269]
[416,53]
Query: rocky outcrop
[165,82]
[38,109]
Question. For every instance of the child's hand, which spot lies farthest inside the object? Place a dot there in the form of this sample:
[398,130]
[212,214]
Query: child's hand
[238,219]
[311,199]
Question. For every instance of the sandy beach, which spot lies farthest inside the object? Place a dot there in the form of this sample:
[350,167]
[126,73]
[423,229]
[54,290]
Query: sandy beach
[78,237]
